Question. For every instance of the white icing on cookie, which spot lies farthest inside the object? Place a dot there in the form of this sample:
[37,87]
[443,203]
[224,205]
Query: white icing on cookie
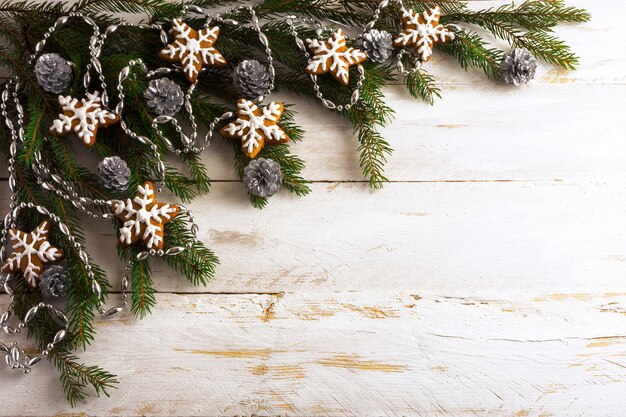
[30,252]
[422,31]
[144,218]
[255,124]
[193,48]
[84,118]
[333,56]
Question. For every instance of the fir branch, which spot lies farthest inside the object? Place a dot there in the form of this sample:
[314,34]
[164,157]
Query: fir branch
[150,7]
[528,26]
[532,15]
[33,138]
[197,171]
[142,296]
[76,377]
[471,50]
[331,10]
[422,85]
[196,263]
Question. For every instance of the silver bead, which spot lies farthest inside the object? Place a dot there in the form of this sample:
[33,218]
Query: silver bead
[31,314]
[113,311]
[59,336]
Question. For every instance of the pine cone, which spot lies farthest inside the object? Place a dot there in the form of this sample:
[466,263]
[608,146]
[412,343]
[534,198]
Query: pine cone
[251,79]
[164,96]
[377,44]
[54,74]
[518,67]
[52,282]
[262,177]
[113,173]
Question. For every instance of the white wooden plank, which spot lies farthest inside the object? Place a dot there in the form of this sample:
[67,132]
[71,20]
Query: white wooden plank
[500,236]
[499,133]
[535,133]
[354,354]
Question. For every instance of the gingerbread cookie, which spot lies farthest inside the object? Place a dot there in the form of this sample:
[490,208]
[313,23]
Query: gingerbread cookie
[333,56]
[422,31]
[82,118]
[193,49]
[144,218]
[31,251]
[255,126]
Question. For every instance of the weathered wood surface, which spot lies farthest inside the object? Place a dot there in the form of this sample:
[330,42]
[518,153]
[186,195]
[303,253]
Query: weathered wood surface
[489,278]
[356,354]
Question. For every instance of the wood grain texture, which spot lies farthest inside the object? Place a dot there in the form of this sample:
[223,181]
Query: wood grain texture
[453,237]
[488,279]
[357,354]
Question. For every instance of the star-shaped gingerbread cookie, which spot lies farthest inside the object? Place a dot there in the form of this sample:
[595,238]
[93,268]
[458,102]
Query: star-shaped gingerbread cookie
[255,126]
[193,49]
[333,56]
[144,218]
[31,251]
[83,118]
[422,31]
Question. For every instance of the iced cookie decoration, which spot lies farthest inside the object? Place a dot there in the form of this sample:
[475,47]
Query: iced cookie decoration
[422,31]
[193,49]
[255,126]
[333,56]
[31,251]
[144,217]
[82,118]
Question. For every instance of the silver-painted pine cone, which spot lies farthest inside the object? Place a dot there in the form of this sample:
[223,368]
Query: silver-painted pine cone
[518,67]
[164,96]
[378,45]
[262,177]
[251,79]
[52,282]
[53,73]
[113,173]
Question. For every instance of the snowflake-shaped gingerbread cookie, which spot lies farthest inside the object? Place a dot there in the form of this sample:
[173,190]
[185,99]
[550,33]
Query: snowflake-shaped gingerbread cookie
[31,251]
[83,118]
[193,49]
[333,56]
[144,217]
[422,31]
[255,126]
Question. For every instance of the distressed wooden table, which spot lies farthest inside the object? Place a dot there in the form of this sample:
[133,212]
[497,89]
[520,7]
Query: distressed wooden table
[488,278]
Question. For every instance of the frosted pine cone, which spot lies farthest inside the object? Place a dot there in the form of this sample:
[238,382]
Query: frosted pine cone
[54,74]
[113,173]
[52,282]
[262,177]
[378,45]
[164,96]
[251,79]
[518,67]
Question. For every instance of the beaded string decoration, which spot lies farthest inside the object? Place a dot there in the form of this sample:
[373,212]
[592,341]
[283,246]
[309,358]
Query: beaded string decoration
[32,251]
